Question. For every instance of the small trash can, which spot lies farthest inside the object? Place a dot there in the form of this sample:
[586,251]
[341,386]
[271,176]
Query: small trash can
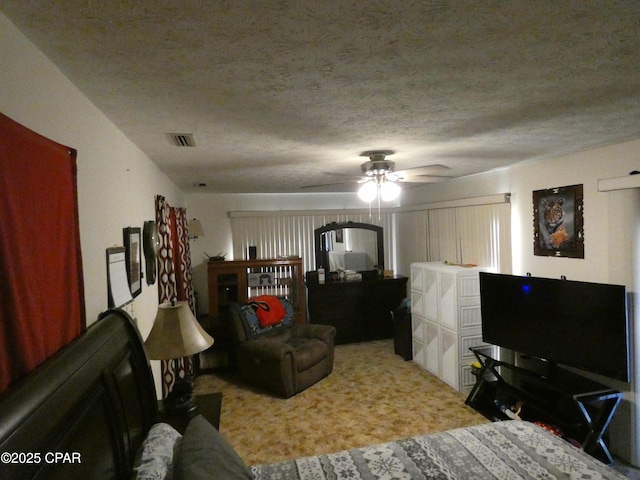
[402,330]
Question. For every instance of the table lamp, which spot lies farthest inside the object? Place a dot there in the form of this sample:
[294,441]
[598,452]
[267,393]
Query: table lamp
[176,334]
[194,227]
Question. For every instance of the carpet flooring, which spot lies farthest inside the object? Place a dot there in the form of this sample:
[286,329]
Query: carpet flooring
[372,396]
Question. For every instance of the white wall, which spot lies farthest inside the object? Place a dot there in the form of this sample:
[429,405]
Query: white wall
[117,183]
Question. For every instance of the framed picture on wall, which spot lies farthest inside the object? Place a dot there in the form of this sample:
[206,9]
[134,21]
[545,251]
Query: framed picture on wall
[133,258]
[558,222]
[119,293]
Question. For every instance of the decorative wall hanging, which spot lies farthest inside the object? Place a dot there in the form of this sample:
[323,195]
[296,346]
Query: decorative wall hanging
[133,253]
[42,306]
[558,222]
[150,245]
[174,275]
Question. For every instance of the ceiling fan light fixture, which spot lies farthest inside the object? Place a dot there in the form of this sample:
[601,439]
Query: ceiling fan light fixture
[368,192]
[389,191]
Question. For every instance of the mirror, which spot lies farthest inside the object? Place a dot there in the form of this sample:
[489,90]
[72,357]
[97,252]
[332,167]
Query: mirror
[349,246]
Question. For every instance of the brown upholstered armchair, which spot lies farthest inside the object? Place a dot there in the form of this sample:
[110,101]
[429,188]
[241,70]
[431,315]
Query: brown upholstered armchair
[285,358]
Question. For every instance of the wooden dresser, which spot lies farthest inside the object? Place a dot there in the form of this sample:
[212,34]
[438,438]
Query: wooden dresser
[360,310]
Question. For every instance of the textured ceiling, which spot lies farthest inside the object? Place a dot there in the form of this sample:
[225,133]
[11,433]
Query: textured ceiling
[281,95]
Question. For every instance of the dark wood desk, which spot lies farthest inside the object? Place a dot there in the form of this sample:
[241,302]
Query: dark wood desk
[206,405]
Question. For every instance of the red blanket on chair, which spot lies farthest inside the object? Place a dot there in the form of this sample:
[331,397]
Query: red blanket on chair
[269,310]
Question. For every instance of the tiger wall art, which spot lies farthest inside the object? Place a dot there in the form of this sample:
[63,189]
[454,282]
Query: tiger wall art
[558,222]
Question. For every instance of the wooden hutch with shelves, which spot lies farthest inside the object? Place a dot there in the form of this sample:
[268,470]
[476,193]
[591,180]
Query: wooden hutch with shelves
[238,280]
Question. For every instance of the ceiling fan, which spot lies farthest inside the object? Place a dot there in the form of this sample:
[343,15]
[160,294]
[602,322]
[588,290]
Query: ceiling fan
[380,177]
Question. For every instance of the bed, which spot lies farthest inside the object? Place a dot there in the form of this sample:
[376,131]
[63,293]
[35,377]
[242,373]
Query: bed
[90,412]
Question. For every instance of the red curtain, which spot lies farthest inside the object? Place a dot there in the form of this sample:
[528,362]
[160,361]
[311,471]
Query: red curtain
[42,307]
[174,273]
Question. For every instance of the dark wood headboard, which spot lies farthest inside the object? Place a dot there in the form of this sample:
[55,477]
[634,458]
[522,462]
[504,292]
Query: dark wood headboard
[94,400]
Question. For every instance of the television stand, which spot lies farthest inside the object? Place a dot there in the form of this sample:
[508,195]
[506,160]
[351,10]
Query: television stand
[579,407]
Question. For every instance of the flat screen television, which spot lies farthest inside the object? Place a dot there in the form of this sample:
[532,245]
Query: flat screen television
[577,324]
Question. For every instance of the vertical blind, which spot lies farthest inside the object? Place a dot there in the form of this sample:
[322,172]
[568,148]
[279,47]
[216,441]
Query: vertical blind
[484,233]
[442,241]
[283,233]
[478,234]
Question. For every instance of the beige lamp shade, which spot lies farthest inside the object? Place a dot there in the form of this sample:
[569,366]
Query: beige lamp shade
[176,333]
[194,228]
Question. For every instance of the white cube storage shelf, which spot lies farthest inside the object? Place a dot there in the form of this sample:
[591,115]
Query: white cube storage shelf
[446,320]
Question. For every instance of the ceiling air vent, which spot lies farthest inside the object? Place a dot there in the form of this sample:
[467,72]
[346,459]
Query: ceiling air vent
[182,139]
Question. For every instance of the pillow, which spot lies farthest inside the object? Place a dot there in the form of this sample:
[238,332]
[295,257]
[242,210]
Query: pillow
[205,454]
[269,310]
[155,457]
[251,325]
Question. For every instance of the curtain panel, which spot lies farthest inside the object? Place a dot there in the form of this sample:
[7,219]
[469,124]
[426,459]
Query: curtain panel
[174,276]
[182,257]
[42,286]
[166,273]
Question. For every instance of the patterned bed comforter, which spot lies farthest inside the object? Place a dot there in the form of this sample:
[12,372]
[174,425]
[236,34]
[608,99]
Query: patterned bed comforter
[503,450]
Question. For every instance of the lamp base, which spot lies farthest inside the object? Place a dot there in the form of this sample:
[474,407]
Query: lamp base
[179,399]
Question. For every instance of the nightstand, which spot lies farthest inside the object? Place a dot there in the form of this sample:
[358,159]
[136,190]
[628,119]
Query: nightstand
[206,405]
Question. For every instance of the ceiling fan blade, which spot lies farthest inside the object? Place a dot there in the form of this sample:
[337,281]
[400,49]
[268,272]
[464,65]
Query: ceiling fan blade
[425,174]
[374,170]
[424,179]
[319,185]
[343,175]
[435,169]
